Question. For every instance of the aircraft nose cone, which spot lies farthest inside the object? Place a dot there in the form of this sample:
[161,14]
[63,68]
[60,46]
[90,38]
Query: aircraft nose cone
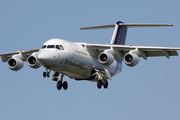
[42,57]
[46,57]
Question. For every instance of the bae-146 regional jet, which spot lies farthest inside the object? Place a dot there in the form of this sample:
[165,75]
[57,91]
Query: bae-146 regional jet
[86,61]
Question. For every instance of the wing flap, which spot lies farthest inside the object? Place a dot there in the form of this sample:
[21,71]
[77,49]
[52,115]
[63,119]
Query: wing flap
[160,53]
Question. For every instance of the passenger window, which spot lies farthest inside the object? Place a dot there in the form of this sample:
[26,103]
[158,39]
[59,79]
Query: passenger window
[62,48]
[44,46]
[50,46]
[57,47]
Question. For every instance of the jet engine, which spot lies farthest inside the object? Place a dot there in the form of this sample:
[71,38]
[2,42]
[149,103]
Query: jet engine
[106,58]
[131,59]
[33,61]
[15,64]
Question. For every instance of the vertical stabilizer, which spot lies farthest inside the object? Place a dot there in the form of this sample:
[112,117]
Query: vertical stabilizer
[119,35]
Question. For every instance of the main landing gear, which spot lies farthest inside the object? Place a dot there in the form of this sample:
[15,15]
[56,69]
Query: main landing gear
[61,84]
[101,83]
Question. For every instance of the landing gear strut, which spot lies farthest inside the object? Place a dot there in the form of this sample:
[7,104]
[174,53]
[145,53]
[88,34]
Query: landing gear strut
[101,83]
[55,76]
[61,84]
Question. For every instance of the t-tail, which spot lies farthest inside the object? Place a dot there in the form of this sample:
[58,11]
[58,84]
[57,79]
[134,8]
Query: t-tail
[120,30]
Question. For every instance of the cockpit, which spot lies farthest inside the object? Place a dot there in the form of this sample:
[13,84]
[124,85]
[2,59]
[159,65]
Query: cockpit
[59,47]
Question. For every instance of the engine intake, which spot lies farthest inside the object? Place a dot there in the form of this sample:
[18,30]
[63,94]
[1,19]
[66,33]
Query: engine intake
[106,58]
[15,64]
[33,61]
[131,59]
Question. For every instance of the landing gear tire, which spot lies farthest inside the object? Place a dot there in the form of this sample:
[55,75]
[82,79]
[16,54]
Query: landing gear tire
[48,74]
[99,84]
[44,74]
[65,85]
[105,84]
[59,85]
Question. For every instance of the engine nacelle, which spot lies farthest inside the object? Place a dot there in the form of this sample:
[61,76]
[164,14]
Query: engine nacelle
[106,58]
[15,64]
[131,59]
[33,61]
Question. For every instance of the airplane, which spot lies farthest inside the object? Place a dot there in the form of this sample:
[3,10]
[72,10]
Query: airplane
[87,61]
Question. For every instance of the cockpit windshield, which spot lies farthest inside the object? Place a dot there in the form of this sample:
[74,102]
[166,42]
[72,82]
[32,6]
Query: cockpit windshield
[62,48]
[50,46]
[44,46]
[59,47]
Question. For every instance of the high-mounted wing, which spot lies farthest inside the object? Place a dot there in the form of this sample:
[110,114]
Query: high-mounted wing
[6,56]
[141,51]
[15,60]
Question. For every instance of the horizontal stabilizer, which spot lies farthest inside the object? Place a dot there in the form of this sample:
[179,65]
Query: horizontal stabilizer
[126,25]
[99,27]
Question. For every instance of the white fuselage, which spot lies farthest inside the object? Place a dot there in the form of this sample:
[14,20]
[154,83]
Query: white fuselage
[73,59]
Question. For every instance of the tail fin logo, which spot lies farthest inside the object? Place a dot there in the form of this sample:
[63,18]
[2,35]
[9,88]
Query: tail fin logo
[120,35]
[118,38]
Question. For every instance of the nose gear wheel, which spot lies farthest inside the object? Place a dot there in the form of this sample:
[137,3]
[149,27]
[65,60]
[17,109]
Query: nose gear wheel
[46,73]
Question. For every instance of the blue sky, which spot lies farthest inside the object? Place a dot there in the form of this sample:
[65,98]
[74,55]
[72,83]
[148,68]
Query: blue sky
[147,91]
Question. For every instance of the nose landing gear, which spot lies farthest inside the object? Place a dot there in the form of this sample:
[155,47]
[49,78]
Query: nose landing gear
[46,73]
